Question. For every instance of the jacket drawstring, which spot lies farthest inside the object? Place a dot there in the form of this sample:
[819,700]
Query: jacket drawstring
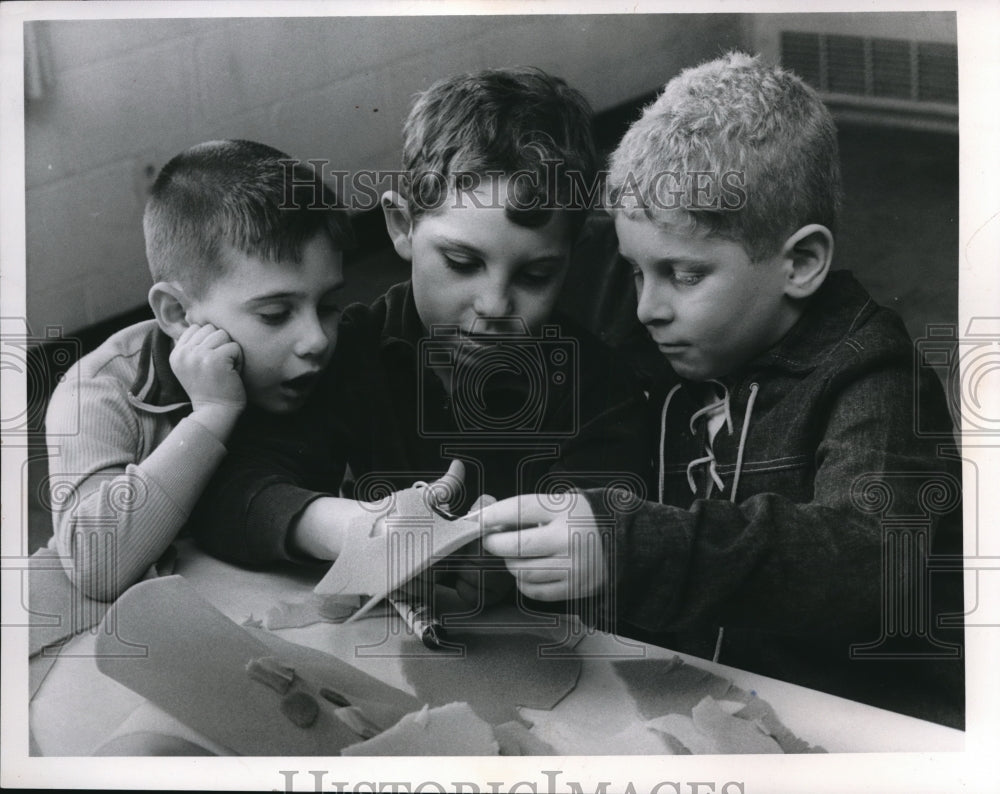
[663,434]
[754,388]
[711,408]
[710,458]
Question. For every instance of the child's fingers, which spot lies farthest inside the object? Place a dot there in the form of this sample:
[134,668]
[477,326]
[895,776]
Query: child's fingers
[549,570]
[516,512]
[449,486]
[544,541]
[549,591]
[187,333]
[201,333]
[216,338]
[235,353]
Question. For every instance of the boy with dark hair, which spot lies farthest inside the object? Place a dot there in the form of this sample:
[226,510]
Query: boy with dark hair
[245,306]
[458,361]
[794,407]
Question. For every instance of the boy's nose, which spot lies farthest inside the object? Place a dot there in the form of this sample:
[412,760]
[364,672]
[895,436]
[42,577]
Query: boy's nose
[653,307]
[493,302]
[314,338]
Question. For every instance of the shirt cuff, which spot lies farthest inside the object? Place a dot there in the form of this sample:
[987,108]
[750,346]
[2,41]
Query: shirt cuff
[273,512]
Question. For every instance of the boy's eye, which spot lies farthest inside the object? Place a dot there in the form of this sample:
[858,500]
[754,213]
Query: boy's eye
[461,265]
[535,279]
[275,317]
[688,279]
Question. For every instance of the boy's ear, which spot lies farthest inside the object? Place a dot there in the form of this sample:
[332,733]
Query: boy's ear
[170,306]
[398,223]
[807,253]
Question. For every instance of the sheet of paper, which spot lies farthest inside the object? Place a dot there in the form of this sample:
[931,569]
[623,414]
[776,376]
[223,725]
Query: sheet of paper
[453,729]
[664,687]
[495,669]
[195,669]
[384,550]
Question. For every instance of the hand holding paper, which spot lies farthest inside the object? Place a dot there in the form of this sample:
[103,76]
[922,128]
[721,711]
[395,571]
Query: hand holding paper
[552,545]
[390,542]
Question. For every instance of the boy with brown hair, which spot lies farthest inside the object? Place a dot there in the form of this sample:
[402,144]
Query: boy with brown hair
[246,311]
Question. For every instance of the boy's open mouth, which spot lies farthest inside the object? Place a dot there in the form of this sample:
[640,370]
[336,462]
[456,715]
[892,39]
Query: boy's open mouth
[301,383]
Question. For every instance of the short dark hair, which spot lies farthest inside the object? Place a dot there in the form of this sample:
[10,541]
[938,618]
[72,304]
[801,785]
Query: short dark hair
[501,121]
[238,193]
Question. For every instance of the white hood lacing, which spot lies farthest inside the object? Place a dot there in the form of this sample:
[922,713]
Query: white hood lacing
[718,414]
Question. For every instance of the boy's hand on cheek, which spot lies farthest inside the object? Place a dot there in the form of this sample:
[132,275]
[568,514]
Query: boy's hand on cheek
[555,552]
[207,363]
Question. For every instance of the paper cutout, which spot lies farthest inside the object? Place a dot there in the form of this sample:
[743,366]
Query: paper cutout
[334,697]
[730,734]
[195,671]
[382,551]
[301,708]
[681,734]
[355,719]
[665,687]
[668,686]
[453,729]
[500,669]
[316,609]
[761,712]
[270,672]
[382,704]
[515,739]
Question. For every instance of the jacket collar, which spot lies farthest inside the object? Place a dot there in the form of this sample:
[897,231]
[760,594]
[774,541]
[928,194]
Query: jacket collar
[833,313]
[156,388]
[401,323]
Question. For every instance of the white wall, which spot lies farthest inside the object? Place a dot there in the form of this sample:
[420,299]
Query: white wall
[114,100]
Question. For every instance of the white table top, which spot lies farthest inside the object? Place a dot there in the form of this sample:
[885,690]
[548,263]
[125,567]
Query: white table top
[77,709]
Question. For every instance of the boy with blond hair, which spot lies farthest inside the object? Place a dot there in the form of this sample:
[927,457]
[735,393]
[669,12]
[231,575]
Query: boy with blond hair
[791,411]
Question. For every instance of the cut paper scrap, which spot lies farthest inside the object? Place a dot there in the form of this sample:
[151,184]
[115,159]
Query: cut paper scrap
[315,609]
[711,729]
[731,734]
[195,670]
[515,739]
[452,729]
[340,683]
[669,686]
[498,670]
[762,713]
[382,551]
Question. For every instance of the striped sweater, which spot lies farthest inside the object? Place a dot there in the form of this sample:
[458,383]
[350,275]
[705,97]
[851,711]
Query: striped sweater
[126,461]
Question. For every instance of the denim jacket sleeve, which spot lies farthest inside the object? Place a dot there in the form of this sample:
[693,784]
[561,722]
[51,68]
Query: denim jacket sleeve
[782,562]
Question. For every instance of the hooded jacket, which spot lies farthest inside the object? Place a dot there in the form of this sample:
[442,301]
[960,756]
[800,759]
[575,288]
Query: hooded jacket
[797,542]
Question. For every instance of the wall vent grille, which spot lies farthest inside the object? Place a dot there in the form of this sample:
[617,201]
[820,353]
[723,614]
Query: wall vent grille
[877,68]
